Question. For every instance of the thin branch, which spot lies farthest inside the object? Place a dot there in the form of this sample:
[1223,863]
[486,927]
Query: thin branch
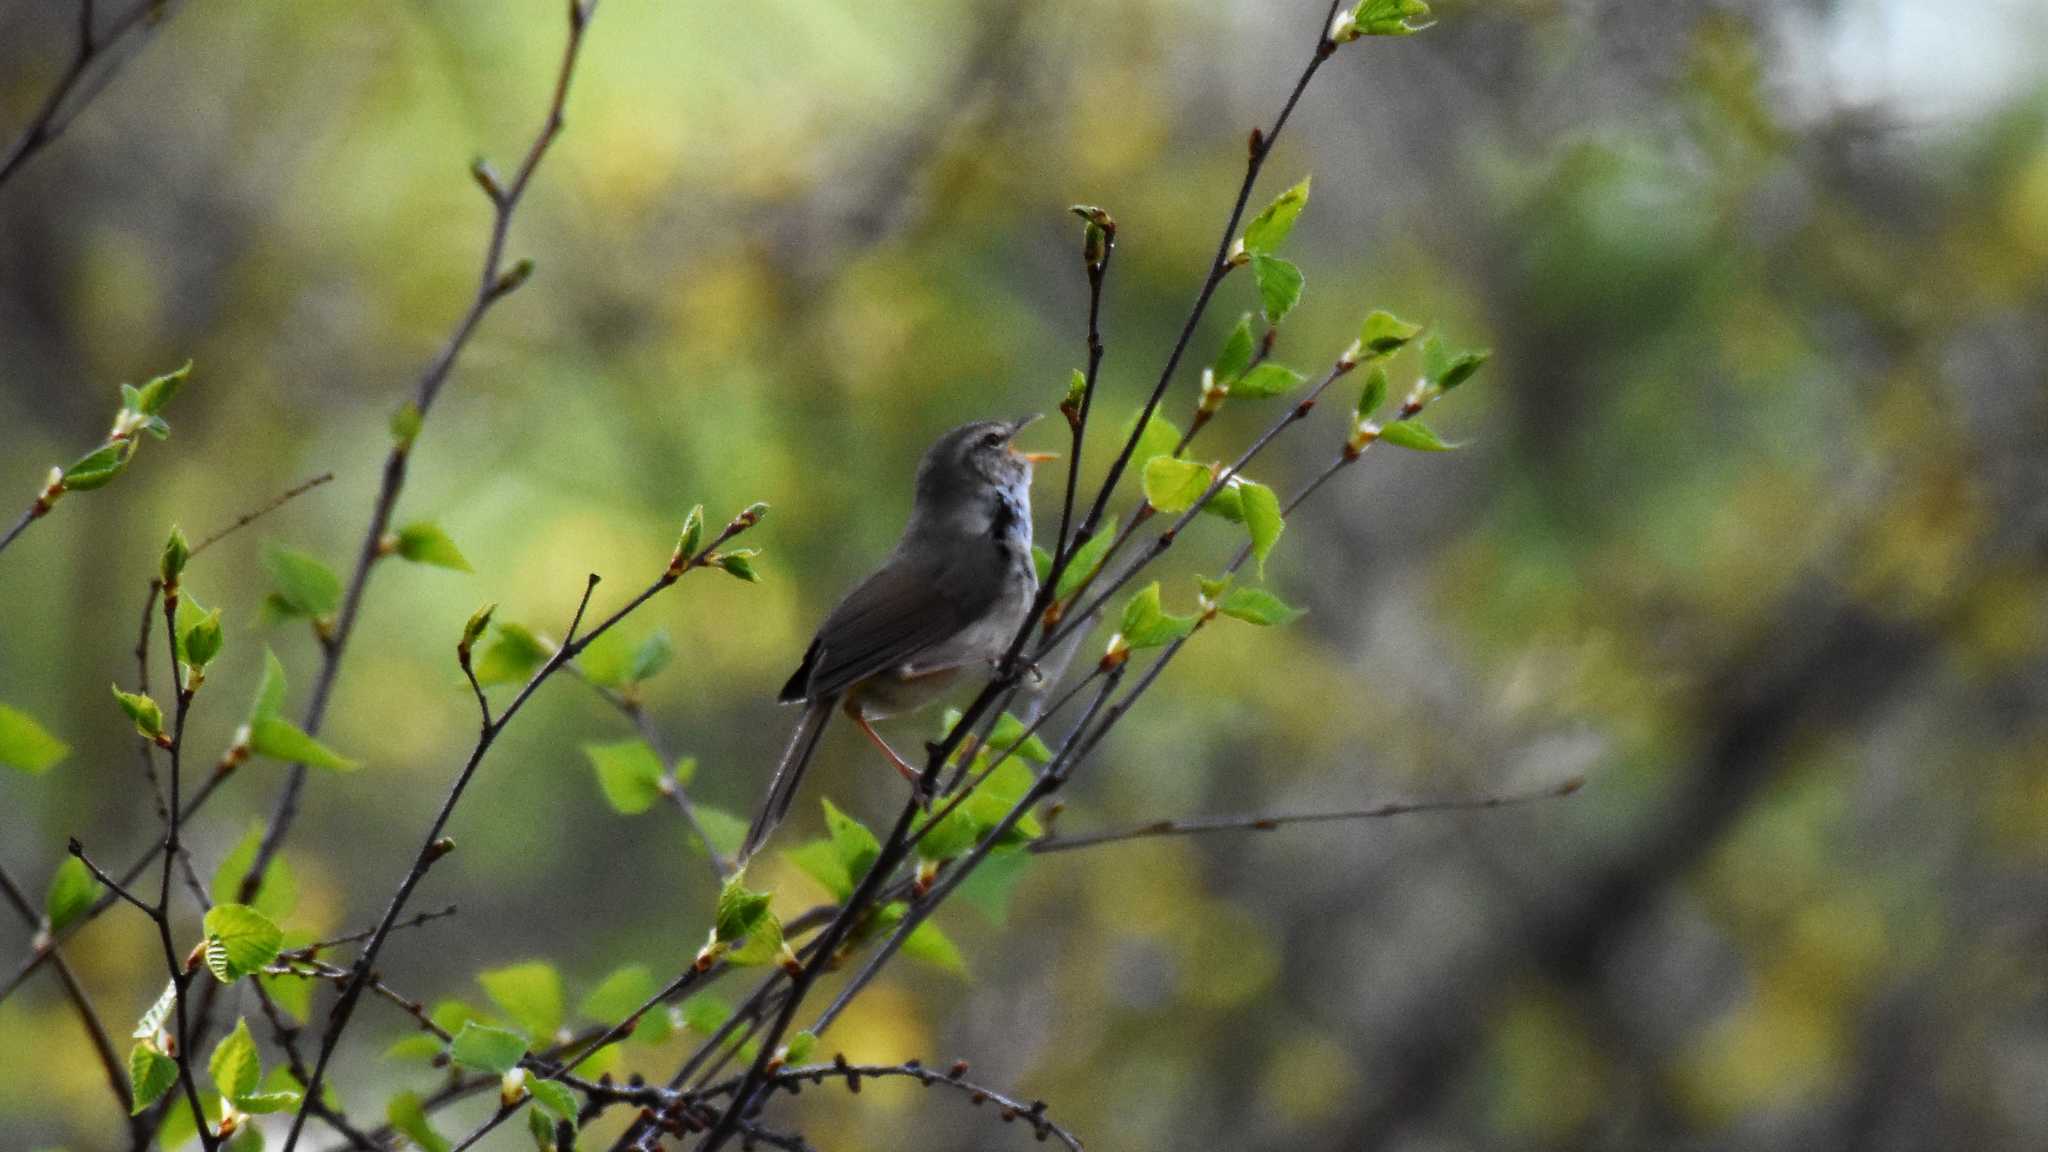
[250,517]
[955,1078]
[1266,822]
[414,921]
[88,1016]
[185,686]
[113,886]
[671,783]
[91,43]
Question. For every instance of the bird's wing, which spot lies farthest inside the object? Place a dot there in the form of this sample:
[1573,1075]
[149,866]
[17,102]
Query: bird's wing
[890,617]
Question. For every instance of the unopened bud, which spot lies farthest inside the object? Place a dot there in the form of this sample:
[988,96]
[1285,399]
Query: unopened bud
[439,848]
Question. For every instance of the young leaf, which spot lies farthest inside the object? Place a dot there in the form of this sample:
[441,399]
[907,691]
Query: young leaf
[801,1045]
[150,1075]
[1416,435]
[239,940]
[531,994]
[1041,563]
[71,893]
[426,543]
[148,718]
[1237,351]
[97,468]
[857,847]
[270,690]
[927,943]
[200,640]
[1374,394]
[740,910]
[1258,606]
[303,584]
[1173,485]
[486,1049]
[1147,625]
[819,859]
[26,746]
[1268,379]
[1391,17]
[1262,520]
[1279,286]
[740,563]
[1227,502]
[704,1013]
[1077,390]
[1269,229]
[235,1067]
[990,888]
[1159,438]
[653,655]
[620,995]
[692,533]
[950,837]
[725,830]
[552,1098]
[1008,731]
[1087,558]
[1384,333]
[629,772]
[282,740]
[1447,369]
[276,893]
[151,397]
[177,551]
[512,657]
[154,1020]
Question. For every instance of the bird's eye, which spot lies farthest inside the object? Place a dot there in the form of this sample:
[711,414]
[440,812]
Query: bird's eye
[991,440]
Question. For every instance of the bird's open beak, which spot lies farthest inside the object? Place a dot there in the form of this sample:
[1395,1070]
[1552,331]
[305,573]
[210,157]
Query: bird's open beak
[1032,457]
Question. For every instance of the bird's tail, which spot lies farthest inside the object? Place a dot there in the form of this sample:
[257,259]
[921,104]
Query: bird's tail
[782,791]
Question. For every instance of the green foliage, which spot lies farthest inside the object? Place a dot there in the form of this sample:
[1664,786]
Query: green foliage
[1088,557]
[629,772]
[800,1046]
[1374,393]
[1414,434]
[1237,352]
[553,1100]
[1279,284]
[276,893]
[1384,18]
[530,993]
[621,994]
[692,534]
[1258,606]
[1384,334]
[270,689]
[239,940]
[301,584]
[819,859]
[1173,485]
[280,739]
[487,1049]
[1147,625]
[1446,368]
[407,1114]
[1159,438]
[740,563]
[725,830]
[150,399]
[991,888]
[72,891]
[175,555]
[1268,379]
[928,944]
[705,1013]
[142,710]
[150,1075]
[513,657]
[200,640]
[27,747]
[855,845]
[741,910]
[947,837]
[237,1072]
[1262,519]
[650,656]
[1268,230]
[426,543]
[1008,730]
[97,468]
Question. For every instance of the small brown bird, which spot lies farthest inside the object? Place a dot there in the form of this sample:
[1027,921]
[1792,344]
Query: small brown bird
[950,597]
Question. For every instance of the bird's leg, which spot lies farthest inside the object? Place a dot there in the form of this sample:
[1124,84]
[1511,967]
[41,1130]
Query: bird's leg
[860,720]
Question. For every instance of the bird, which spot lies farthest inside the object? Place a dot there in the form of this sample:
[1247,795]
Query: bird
[951,596]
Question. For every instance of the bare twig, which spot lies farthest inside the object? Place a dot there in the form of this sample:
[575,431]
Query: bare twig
[255,514]
[88,1016]
[90,44]
[1010,1107]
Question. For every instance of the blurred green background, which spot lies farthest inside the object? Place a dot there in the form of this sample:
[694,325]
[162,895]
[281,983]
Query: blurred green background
[1752,530]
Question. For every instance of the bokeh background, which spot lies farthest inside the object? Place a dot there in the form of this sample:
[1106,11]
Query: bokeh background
[1751,531]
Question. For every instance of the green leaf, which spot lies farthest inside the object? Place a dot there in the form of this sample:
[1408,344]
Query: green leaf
[819,859]
[740,910]
[1391,17]
[1087,558]
[512,657]
[473,628]
[705,1013]
[177,552]
[990,888]
[1258,606]
[1447,369]
[999,793]
[927,943]
[692,533]
[1041,563]
[405,422]
[950,837]
[1160,438]
[1416,435]
[151,398]
[857,847]
[148,718]
[607,660]
[270,691]
[25,745]
[154,1020]
[150,1075]
[239,940]
[302,582]
[531,994]
[1279,286]
[292,994]
[620,995]
[200,640]
[629,772]
[409,1117]
[258,1103]
[1227,503]
[1268,379]
[426,543]
[1384,333]
[276,894]
[554,1099]
[740,563]
[1147,625]
[1262,519]
[1237,351]
[235,1067]
[1375,393]
[1173,485]
[654,654]
[763,944]
[97,468]
[486,1049]
[1009,730]
[801,1045]
[725,830]
[1077,389]
[72,892]
[1268,230]
[280,739]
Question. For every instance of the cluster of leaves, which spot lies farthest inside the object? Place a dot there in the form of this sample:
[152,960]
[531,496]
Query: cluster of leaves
[141,411]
